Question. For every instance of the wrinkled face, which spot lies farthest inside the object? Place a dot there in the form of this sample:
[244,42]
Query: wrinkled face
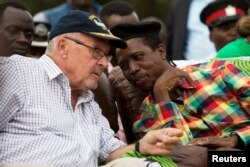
[117,19]
[81,63]
[16,31]
[140,64]
[223,34]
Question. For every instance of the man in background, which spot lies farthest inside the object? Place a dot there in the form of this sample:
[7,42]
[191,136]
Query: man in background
[221,17]
[188,38]
[116,12]
[16,29]
[51,16]
[113,13]
[40,39]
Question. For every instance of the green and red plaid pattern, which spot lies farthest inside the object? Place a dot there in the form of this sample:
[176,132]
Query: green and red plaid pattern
[218,104]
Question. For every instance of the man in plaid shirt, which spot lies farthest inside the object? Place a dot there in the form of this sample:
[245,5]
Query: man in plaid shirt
[210,102]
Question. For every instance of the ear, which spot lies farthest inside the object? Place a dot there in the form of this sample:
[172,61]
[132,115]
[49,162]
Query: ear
[162,51]
[62,48]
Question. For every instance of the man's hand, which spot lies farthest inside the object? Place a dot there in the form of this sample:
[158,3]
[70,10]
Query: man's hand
[216,142]
[155,142]
[170,79]
[160,142]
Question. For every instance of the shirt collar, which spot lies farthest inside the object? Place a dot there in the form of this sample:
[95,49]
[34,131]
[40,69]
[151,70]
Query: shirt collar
[54,71]
[50,67]
[85,97]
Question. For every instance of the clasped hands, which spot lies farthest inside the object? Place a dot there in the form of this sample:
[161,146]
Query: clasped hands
[160,142]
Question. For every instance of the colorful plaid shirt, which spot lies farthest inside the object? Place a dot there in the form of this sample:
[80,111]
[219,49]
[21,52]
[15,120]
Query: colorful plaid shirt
[217,104]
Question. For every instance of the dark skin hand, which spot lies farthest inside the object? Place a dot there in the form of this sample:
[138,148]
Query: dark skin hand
[216,142]
[164,90]
[169,81]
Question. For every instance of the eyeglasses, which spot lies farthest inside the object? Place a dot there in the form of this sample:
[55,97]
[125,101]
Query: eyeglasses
[97,53]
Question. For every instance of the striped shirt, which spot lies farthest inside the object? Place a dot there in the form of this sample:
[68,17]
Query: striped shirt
[218,104]
[37,122]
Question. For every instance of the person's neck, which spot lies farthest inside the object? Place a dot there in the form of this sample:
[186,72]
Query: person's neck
[74,98]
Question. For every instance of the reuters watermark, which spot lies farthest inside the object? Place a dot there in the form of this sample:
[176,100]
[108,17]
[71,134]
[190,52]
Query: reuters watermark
[228,158]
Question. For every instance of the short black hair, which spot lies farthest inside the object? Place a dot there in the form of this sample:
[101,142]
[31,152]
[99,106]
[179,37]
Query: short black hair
[121,8]
[5,5]
[153,43]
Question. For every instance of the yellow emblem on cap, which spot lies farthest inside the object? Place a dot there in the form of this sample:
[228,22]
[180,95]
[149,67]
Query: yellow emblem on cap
[98,22]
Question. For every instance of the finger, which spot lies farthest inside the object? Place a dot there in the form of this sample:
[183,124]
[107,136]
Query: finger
[173,132]
[164,145]
[167,135]
[171,140]
[179,82]
[187,77]
[200,141]
[189,80]
[194,142]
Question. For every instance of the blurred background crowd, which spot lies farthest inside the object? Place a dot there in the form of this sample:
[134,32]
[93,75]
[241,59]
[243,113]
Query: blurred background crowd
[157,8]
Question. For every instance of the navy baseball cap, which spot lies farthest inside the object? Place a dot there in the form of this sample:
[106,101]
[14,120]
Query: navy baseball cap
[86,23]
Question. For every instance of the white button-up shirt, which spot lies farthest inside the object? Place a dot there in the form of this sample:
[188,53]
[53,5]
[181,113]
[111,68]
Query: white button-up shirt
[37,122]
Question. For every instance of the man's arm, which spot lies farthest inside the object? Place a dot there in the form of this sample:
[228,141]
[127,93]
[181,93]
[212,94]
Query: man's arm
[237,135]
[10,90]
[156,142]
[239,83]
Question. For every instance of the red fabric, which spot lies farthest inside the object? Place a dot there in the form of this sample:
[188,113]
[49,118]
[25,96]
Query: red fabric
[221,13]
